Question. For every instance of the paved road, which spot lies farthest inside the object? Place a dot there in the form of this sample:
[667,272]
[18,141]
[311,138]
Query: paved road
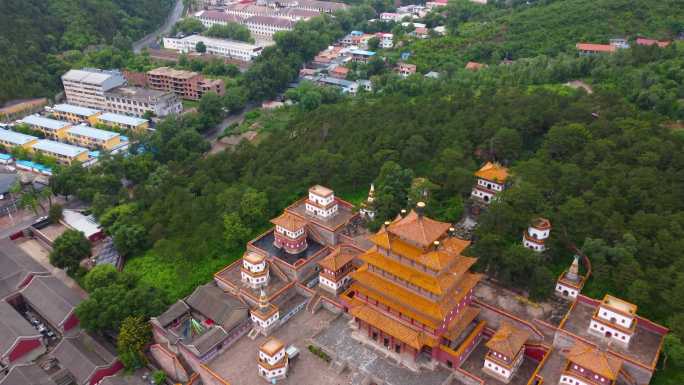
[151,39]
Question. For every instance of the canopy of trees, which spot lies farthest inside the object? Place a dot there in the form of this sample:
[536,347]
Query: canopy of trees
[34,33]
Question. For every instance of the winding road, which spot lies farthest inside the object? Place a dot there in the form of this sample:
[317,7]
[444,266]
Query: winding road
[151,39]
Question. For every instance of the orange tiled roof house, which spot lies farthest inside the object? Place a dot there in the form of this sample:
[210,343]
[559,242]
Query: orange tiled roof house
[491,180]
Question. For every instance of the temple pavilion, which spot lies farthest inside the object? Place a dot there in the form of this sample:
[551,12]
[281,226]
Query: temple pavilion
[413,292]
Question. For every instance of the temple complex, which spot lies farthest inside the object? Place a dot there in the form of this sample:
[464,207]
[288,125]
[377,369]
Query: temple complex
[412,294]
[491,180]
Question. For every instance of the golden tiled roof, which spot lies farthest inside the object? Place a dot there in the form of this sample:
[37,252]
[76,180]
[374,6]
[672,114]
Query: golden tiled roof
[595,360]
[418,229]
[508,340]
[420,308]
[493,172]
[459,323]
[437,285]
[289,222]
[436,260]
[340,256]
[399,307]
[411,337]
[272,346]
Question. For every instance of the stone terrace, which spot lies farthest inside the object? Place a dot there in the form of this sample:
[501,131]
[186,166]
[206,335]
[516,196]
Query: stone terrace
[368,363]
[238,366]
[643,346]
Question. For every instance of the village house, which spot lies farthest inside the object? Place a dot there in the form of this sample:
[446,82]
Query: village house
[361,56]
[339,72]
[405,69]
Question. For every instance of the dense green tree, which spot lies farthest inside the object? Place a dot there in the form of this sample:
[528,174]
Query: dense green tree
[200,47]
[134,336]
[69,249]
[232,31]
[55,213]
[187,26]
[392,186]
[235,232]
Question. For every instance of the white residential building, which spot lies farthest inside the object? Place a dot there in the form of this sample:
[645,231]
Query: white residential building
[267,26]
[211,18]
[220,47]
[87,87]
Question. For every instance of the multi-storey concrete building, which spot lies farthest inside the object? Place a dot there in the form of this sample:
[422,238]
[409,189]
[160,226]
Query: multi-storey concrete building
[220,47]
[75,114]
[87,87]
[123,122]
[267,26]
[211,18]
[10,139]
[63,153]
[94,138]
[51,128]
[137,101]
[185,84]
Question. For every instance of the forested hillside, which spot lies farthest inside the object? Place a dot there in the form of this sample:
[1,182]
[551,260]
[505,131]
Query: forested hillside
[34,34]
[604,166]
[490,34]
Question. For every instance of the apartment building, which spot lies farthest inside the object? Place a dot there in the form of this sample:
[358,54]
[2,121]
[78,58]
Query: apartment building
[62,152]
[185,84]
[123,122]
[86,87]
[93,138]
[51,128]
[75,114]
[220,47]
[211,18]
[136,101]
[267,26]
[248,10]
[10,139]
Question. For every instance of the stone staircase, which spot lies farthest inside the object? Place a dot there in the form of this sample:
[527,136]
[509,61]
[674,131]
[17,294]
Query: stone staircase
[253,333]
[274,268]
[312,305]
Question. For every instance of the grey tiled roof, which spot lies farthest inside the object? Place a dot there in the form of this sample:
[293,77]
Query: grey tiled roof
[15,267]
[82,355]
[26,375]
[12,327]
[173,313]
[222,308]
[51,298]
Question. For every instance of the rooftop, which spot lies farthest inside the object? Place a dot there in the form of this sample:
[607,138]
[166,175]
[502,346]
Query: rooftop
[82,355]
[121,119]
[418,229]
[83,223]
[643,347]
[493,172]
[50,124]
[76,110]
[271,346]
[271,20]
[362,52]
[26,374]
[63,149]
[193,39]
[596,47]
[172,72]
[339,257]
[90,132]
[321,190]
[289,222]
[597,361]
[12,327]
[51,298]
[265,243]
[16,138]
[508,340]
[619,304]
[138,93]
[90,75]
[218,15]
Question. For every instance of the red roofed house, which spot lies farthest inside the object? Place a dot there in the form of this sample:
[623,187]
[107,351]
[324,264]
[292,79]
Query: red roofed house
[593,49]
[339,72]
[474,66]
[589,365]
[405,69]
[659,43]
